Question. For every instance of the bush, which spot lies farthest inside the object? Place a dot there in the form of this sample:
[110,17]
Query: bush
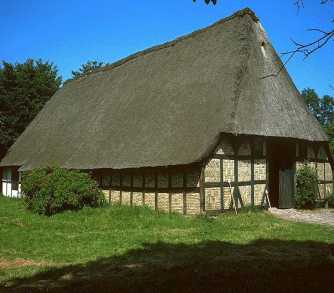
[52,190]
[330,201]
[307,181]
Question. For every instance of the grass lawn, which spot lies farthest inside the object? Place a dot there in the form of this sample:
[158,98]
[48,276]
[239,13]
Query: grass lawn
[131,249]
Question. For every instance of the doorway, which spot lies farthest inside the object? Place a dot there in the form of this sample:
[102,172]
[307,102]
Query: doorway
[281,157]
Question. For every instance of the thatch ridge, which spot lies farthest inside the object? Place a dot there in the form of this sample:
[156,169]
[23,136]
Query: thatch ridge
[240,13]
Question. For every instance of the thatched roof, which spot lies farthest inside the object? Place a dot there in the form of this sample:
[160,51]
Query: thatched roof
[168,105]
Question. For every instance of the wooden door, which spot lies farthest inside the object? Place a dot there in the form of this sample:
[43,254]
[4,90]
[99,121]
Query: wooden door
[281,156]
[286,188]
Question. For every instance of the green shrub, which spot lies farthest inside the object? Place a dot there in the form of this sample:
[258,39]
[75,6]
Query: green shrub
[52,190]
[307,181]
[330,200]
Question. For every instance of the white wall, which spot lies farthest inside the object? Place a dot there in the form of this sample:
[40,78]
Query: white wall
[7,184]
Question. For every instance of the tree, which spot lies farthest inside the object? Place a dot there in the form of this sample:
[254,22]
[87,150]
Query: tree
[327,110]
[24,89]
[312,101]
[323,110]
[86,68]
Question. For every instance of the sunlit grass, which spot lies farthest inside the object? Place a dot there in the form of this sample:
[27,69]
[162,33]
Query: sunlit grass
[90,234]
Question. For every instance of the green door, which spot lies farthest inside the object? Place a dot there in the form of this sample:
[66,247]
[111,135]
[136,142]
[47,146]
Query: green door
[286,188]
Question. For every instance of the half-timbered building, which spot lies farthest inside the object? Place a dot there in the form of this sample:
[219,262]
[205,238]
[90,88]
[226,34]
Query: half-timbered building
[207,122]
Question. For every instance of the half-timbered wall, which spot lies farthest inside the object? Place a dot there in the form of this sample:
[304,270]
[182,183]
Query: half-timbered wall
[315,156]
[237,170]
[163,189]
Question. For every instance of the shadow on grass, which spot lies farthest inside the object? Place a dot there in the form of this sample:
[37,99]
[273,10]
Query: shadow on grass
[263,266]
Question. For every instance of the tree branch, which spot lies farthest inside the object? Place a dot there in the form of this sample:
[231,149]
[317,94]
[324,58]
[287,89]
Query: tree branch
[214,2]
[309,48]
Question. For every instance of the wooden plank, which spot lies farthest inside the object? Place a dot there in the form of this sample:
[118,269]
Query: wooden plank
[330,159]
[120,187]
[169,193]
[162,190]
[237,196]
[300,159]
[325,181]
[239,157]
[201,190]
[143,190]
[264,196]
[325,185]
[233,184]
[222,185]
[236,175]
[184,194]
[110,185]
[252,173]
[156,192]
[131,192]
[286,188]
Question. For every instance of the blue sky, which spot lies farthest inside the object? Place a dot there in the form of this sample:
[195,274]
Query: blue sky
[69,33]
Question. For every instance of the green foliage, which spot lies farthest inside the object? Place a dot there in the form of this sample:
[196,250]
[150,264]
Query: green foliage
[24,89]
[323,111]
[312,101]
[86,68]
[330,200]
[306,188]
[51,190]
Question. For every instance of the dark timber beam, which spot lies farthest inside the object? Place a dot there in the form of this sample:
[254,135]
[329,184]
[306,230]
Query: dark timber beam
[202,190]
[236,147]
[169,193]
[143,190]
[221,184]
[131,192]
[252,172]
[110,184]
[120,185]
[184,193]
[156,191]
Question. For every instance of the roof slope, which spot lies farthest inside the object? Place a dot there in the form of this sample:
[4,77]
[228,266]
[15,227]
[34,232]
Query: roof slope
[167,105]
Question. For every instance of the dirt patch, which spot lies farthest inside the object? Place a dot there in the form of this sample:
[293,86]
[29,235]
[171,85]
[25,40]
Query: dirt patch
[19,262]
[318,216]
